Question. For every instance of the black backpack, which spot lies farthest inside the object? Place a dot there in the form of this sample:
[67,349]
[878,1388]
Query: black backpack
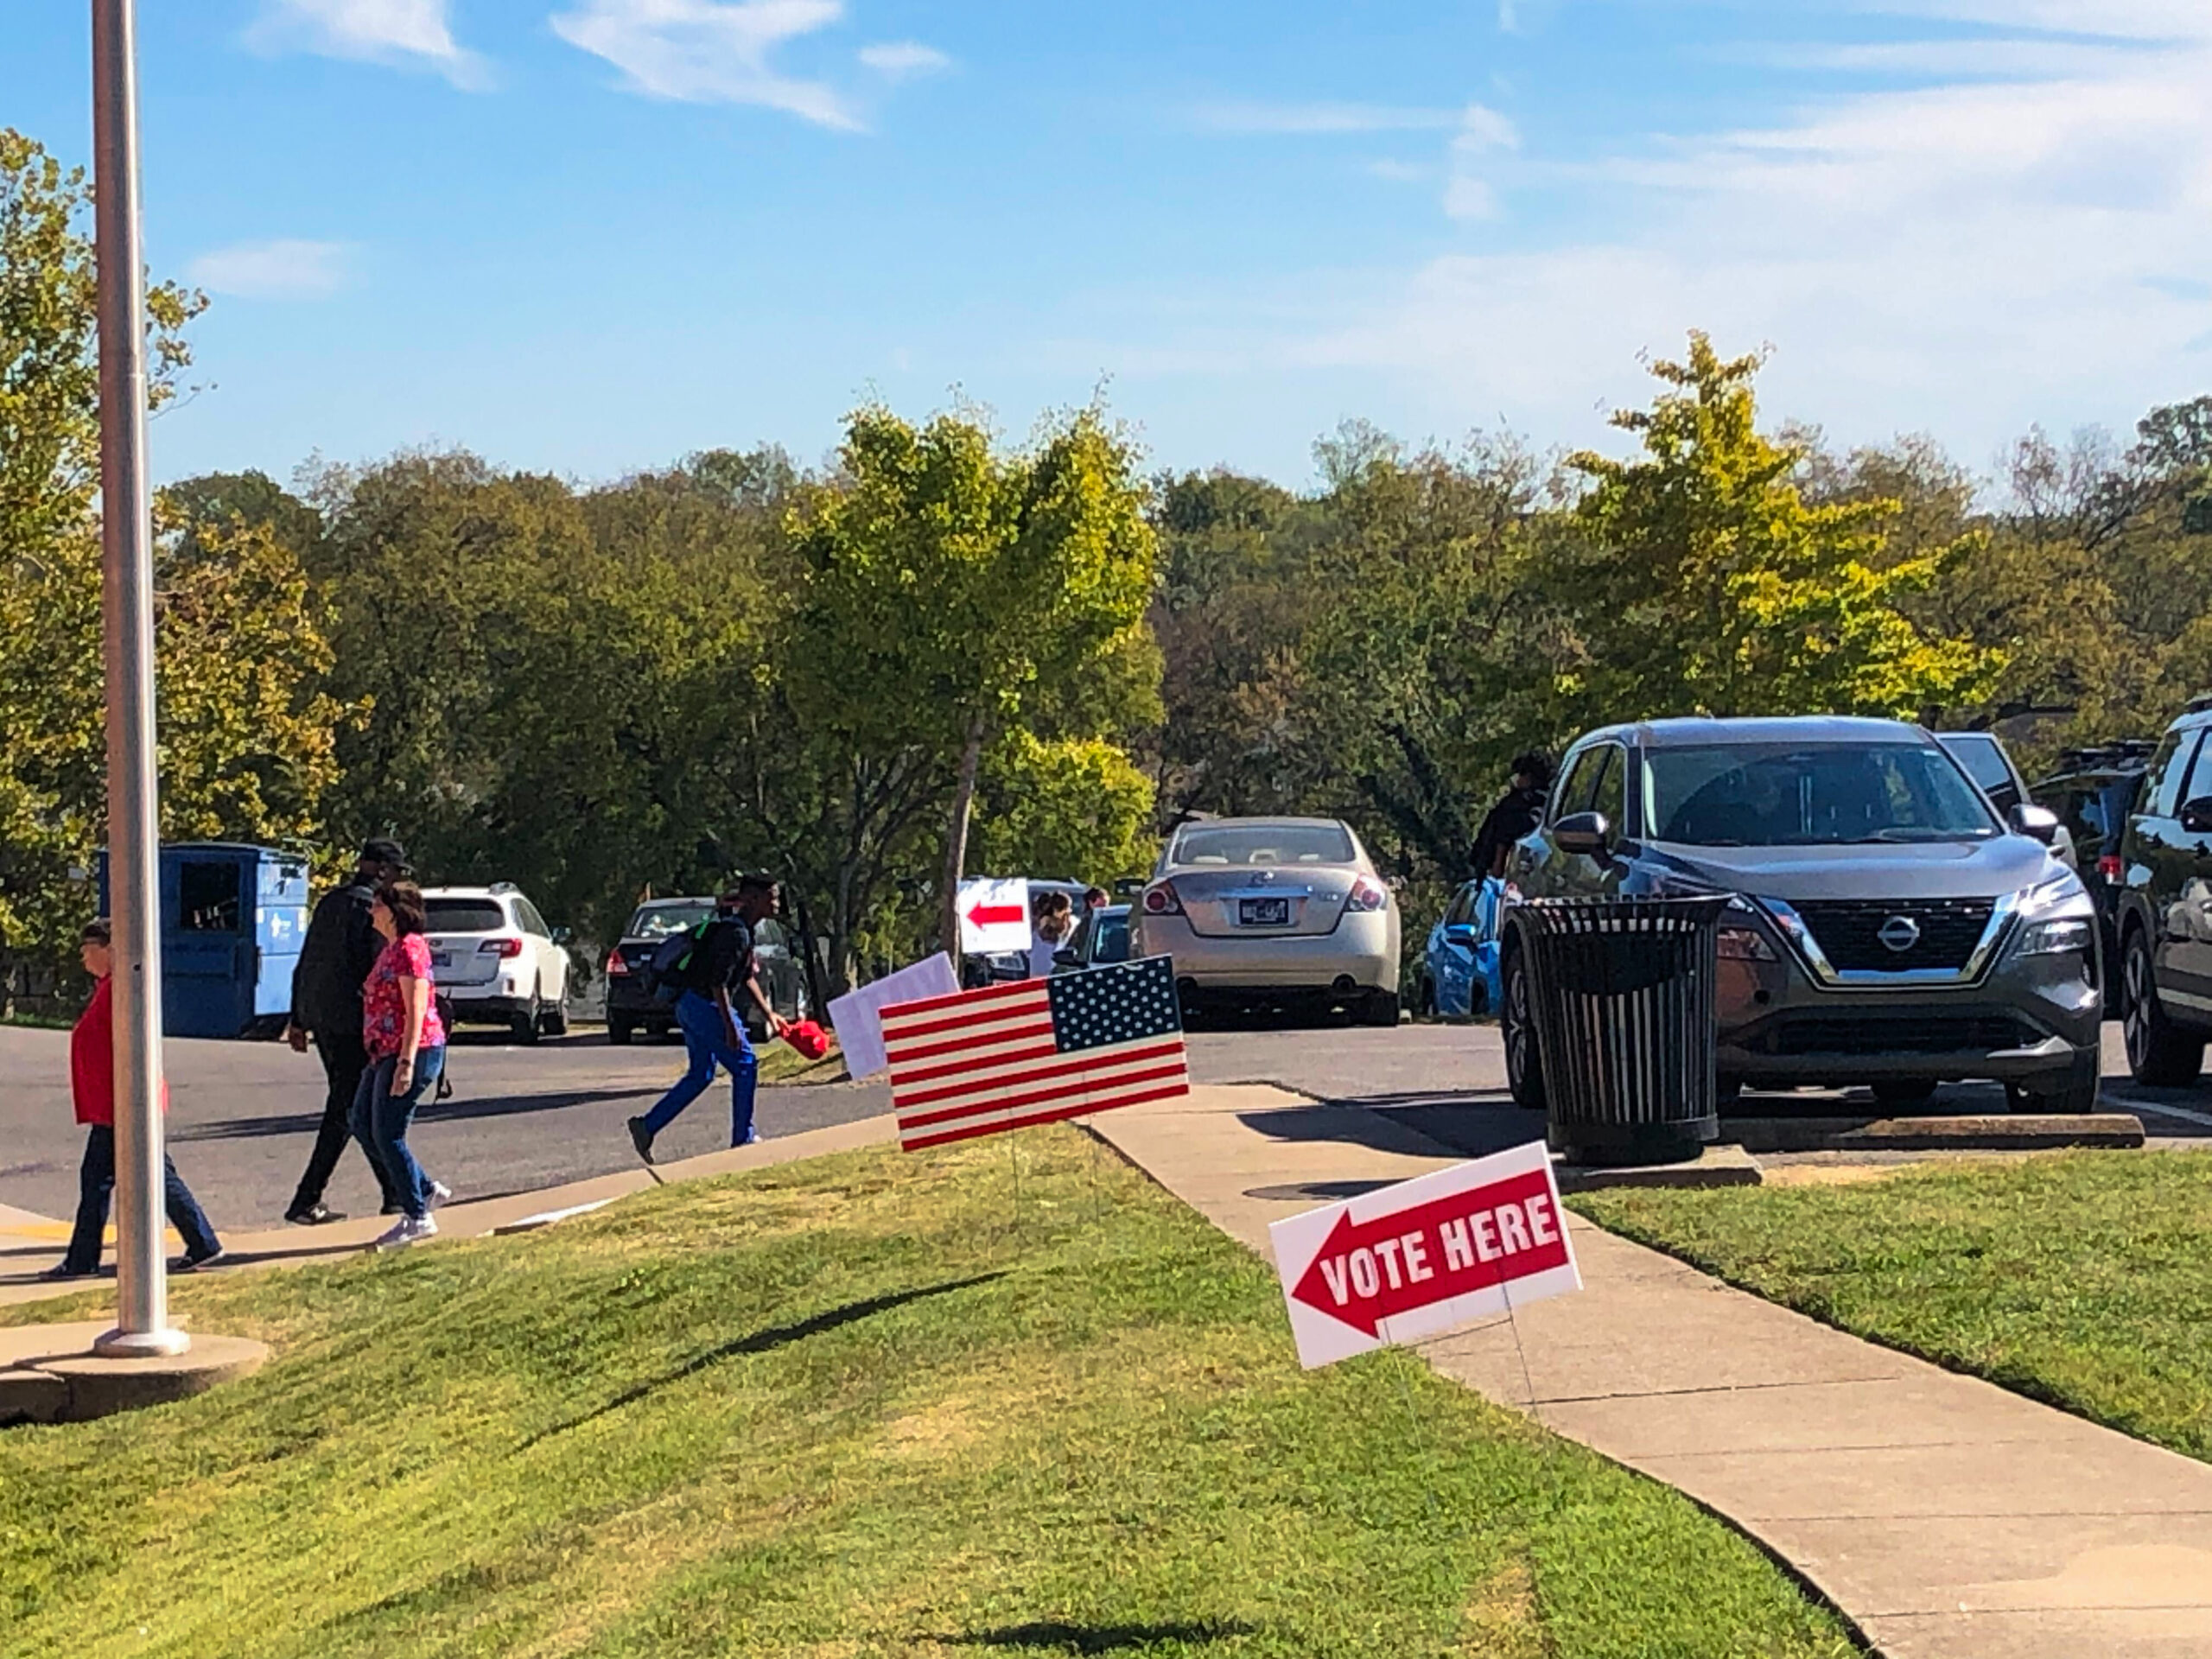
[667,970]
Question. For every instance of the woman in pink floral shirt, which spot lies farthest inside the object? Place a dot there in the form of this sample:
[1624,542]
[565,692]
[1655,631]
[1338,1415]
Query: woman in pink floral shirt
[406,1043]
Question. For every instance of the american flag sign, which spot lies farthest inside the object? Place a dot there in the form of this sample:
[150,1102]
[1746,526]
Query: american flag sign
[1007,1056]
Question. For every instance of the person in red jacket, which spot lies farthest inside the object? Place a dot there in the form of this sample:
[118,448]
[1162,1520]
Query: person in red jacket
[91,1081]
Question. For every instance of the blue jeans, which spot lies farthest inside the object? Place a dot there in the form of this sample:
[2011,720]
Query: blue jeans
[707,1040]
[381,1120]
[95,1181]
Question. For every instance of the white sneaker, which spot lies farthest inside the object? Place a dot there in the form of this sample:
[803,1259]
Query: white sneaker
[408,1231]
[440,1193]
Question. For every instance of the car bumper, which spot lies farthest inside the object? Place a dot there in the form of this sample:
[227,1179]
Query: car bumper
[471,1006]
[1361,953]
[2027,1017]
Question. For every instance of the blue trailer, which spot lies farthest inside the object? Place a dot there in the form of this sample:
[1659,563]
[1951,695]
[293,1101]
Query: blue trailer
[234,917]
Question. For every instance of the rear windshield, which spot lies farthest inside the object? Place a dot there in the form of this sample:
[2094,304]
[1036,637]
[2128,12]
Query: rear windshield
[465,915]
[1264,843]
[658,921]
[1792,795]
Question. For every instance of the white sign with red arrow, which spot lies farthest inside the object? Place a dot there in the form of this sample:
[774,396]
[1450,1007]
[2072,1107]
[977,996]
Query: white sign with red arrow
[994,916]
[1424,1256]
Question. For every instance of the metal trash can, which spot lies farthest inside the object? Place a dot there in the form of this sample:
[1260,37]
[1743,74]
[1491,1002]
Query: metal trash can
[1622,993]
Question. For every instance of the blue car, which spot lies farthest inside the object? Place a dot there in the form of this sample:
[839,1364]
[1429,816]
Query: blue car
[1459,968]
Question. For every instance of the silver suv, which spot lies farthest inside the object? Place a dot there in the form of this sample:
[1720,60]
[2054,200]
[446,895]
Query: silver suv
[2164,908]
[1888,928]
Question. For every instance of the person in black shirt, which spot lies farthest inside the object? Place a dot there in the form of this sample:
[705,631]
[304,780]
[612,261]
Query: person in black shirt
[340,948]
[1517,815]
[718,969]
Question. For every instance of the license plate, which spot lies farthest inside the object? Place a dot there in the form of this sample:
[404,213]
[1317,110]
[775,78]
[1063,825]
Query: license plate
[441,958]
[1262,912]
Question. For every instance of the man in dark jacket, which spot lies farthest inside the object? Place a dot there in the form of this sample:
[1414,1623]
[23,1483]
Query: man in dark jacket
[340,948]
[1515,815]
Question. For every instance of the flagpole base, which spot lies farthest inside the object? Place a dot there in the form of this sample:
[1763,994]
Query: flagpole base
[141,1344]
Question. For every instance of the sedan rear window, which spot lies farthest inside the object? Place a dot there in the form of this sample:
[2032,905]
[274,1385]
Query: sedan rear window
[1264,843]
[1762,795]
[658,921]
[465,915]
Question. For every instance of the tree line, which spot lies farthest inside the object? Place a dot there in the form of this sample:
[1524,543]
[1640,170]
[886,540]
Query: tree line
[938,651]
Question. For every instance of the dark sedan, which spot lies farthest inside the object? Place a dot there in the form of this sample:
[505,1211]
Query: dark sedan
[632,1008]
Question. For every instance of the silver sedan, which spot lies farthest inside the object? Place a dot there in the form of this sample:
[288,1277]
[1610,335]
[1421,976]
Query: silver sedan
[1273,912]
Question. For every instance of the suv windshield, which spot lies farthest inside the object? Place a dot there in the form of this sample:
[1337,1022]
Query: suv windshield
[1806,795]
[464,915]
[1264,843]
[658,921]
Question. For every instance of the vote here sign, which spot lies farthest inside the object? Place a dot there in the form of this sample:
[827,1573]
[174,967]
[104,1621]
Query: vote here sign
[1424,1256]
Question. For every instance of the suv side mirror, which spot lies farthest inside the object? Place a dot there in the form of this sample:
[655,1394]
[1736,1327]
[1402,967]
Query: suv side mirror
[2039,823]
[1459,933]
[2197,816]
[561,936]
[1584,833]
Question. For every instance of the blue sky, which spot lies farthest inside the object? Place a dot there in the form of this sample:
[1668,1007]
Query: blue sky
[593,235]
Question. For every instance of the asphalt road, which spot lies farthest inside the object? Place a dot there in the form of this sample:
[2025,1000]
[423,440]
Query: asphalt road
[243,1114]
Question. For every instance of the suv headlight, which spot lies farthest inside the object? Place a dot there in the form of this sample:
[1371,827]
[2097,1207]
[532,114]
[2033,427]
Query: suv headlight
[1741,939]
[2057,918]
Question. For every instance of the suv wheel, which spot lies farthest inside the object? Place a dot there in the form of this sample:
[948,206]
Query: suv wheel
[2158,1053]
[526,1023]
[1524,1071]
[557,1021]
[1378,1008]
[1425,999]
[619,1031]
[2074,1090]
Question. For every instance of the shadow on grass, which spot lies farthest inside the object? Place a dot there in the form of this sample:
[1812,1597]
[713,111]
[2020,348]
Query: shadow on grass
[1098,1639]
[761,1342]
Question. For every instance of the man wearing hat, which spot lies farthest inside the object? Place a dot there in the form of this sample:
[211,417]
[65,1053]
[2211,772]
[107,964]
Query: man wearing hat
[340,948]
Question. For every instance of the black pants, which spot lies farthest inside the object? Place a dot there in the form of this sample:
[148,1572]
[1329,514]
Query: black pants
[344,1059]
[96,1182]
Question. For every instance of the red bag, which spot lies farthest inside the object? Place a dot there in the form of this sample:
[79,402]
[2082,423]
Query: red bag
[807,1038]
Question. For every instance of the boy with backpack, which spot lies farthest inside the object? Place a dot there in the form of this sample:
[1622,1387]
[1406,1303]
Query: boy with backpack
[705,976]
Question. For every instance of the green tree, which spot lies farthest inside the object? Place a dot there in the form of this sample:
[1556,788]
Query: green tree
[244,730]
[952,595]
[1704,582]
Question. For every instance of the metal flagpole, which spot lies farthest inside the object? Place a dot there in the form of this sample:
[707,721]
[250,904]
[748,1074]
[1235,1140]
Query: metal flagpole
[127,610]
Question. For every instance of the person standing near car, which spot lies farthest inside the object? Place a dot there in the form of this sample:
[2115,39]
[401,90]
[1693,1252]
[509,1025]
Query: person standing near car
[719,968]
[1053,923]
[405,1042]
[340,948]
[1517,815]
[92,1085]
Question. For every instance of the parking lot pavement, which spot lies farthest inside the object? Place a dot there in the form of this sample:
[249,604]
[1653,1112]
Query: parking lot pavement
[243,1118]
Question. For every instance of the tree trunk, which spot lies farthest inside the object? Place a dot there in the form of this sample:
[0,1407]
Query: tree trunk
[955,838]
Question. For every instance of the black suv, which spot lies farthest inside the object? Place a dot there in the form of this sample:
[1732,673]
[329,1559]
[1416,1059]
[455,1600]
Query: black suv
[1887,928]
[2093,792]
[2166,907]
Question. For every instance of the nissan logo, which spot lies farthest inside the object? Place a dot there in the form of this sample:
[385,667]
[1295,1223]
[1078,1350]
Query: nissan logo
[1899,933]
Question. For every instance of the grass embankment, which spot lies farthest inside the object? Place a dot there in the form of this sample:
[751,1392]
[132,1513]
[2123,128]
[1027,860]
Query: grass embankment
[856,1406]
[2082,1279]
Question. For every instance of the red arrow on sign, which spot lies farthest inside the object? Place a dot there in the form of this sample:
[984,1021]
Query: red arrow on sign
[995,915]
[1370,1271]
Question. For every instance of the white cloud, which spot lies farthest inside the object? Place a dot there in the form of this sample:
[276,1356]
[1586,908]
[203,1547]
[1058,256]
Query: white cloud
[1401,172]
[710,51]
[1965,257]
[375,31]
[1468,192]
[1246,116]
[903,60]
[282,270]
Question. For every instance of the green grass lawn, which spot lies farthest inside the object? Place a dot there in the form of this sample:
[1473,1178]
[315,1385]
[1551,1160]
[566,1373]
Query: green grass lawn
[2083,1279]
[862,1405]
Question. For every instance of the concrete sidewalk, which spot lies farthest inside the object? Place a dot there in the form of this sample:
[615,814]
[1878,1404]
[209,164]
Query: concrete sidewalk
[1948,1518]
[29,1242]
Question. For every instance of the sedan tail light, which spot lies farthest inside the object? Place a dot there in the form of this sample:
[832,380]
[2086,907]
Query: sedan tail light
[1368,894]
[501,948]
[2109,866]
[616,967]
[1160,900]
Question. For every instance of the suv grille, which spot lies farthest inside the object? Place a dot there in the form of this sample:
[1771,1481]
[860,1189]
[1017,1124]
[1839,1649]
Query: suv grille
[1893,1034]
[1849,932]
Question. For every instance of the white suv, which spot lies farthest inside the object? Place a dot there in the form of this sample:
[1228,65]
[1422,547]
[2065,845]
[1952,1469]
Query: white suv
[495,962]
